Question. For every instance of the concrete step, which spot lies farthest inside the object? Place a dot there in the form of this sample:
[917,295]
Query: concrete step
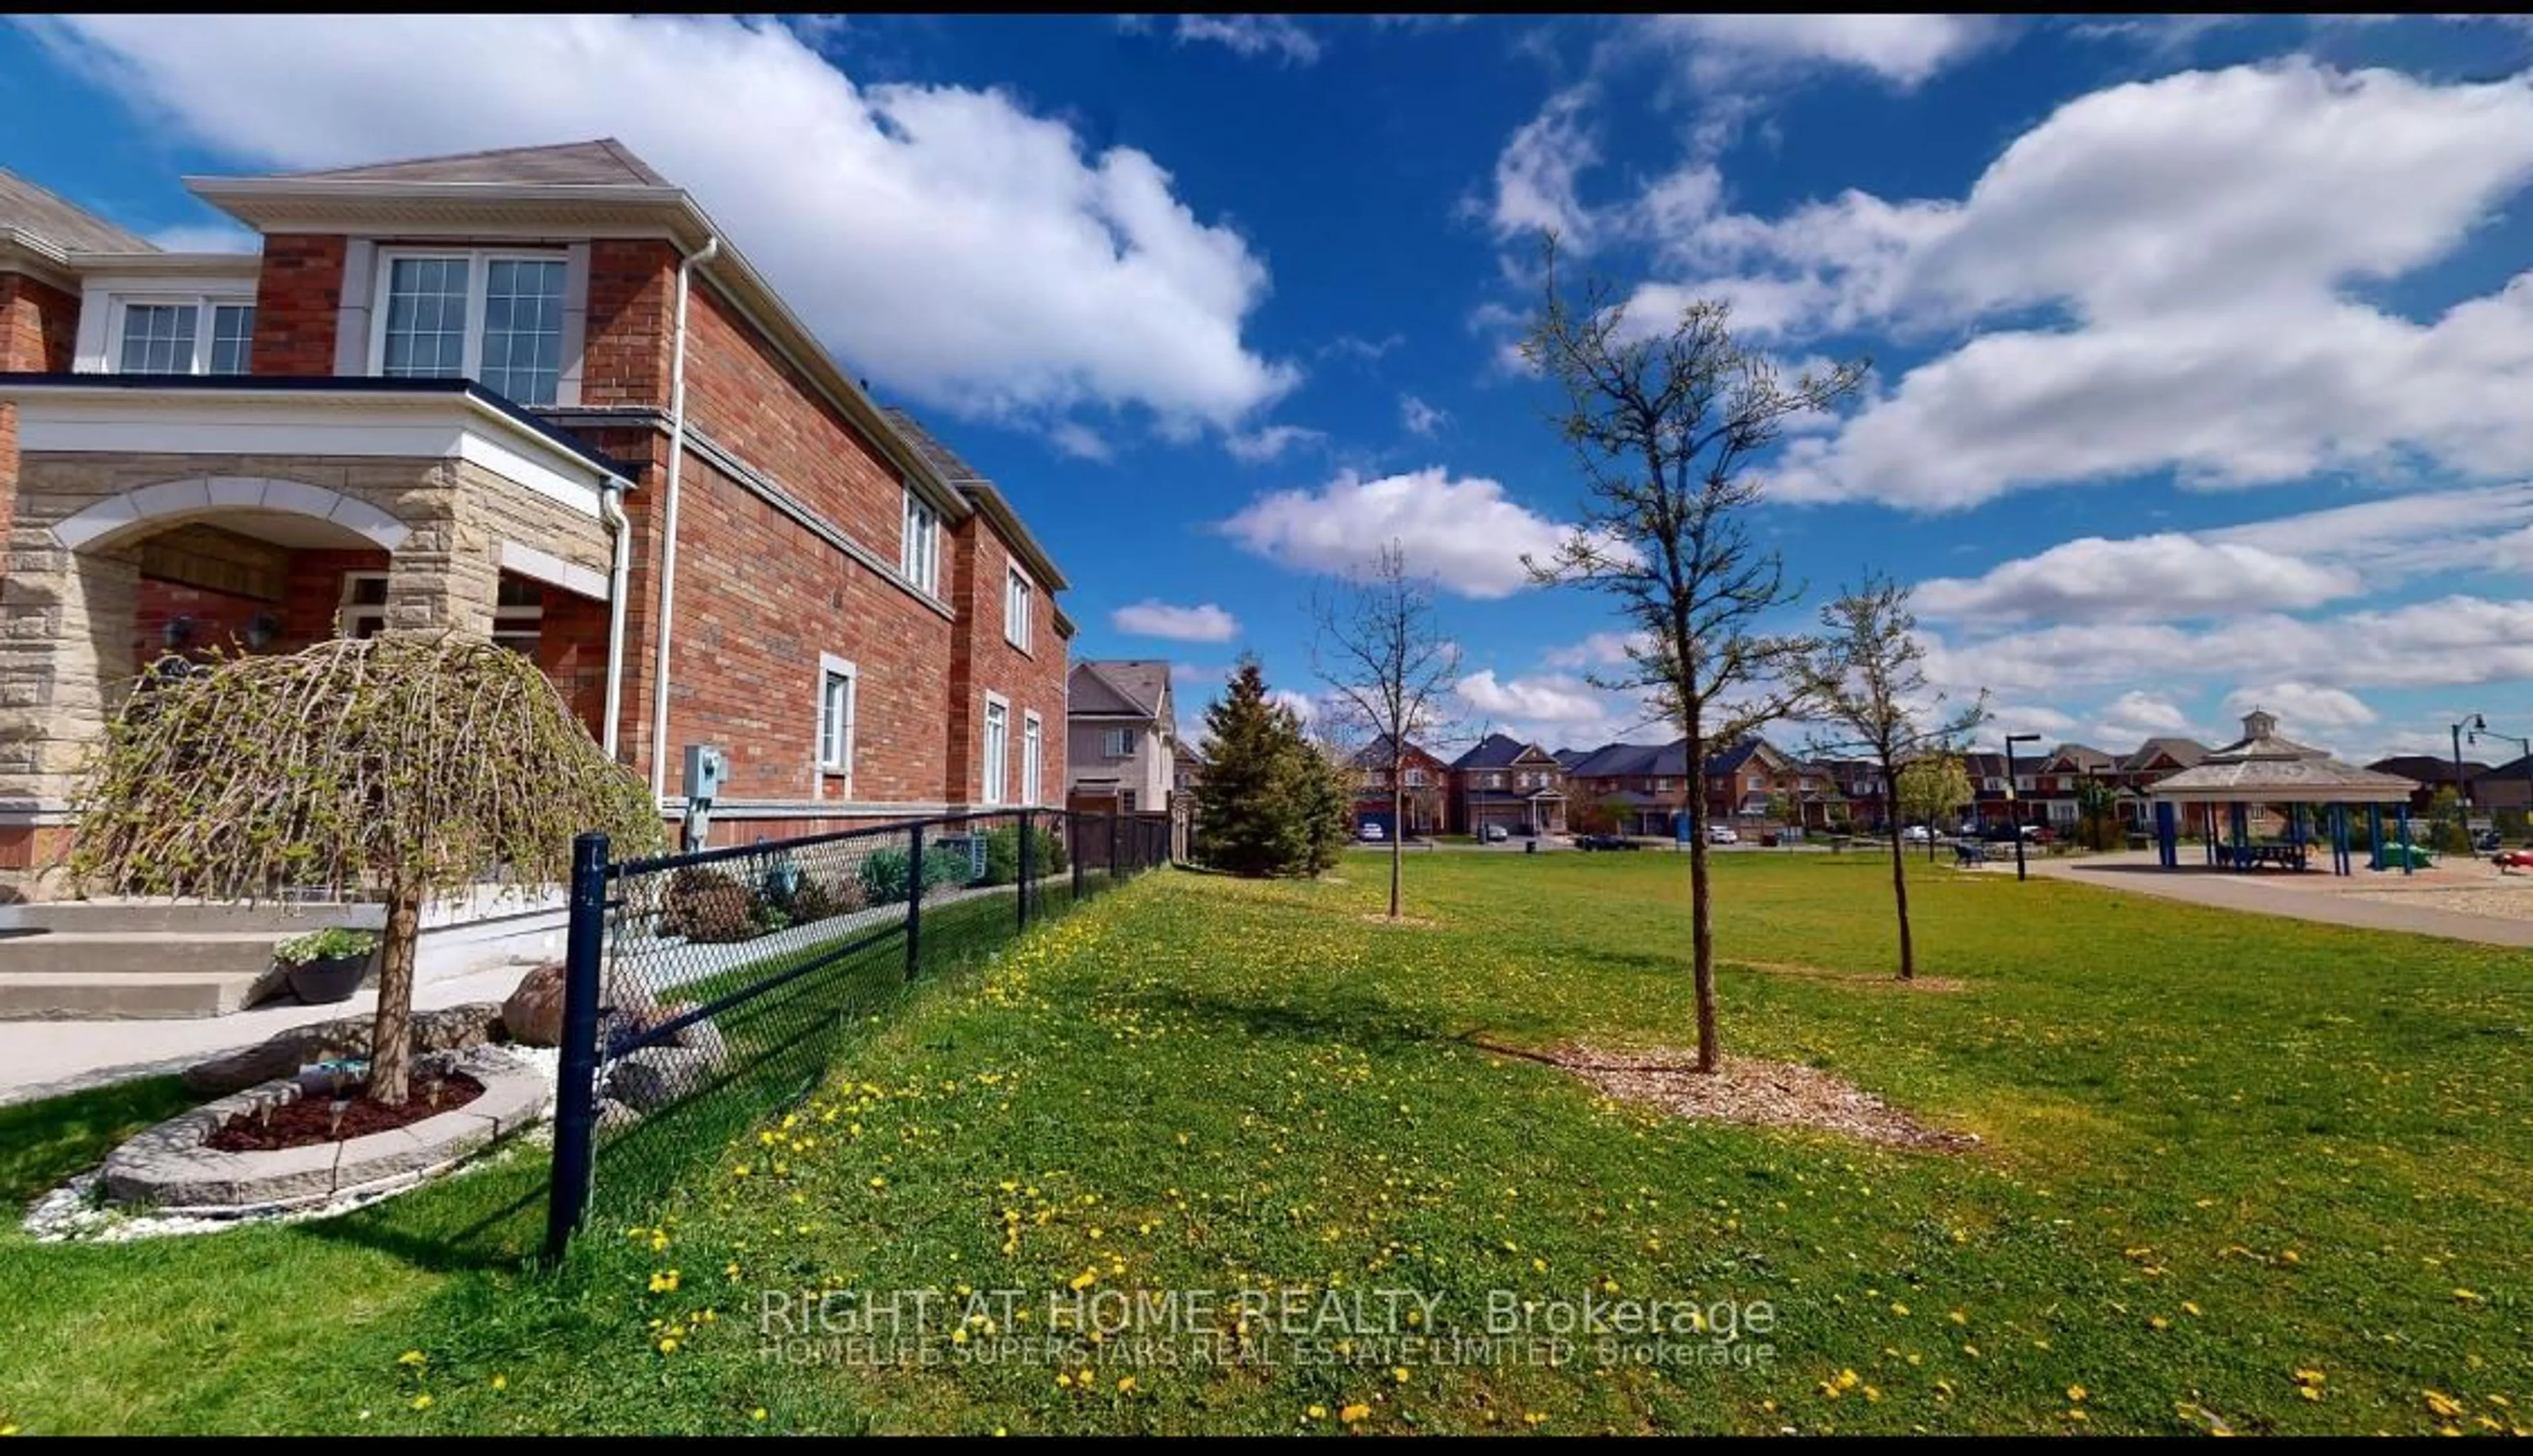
[136,953]
[166,917]
[111,995]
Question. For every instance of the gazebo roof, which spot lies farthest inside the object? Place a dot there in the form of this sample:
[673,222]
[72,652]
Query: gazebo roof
[2262,767]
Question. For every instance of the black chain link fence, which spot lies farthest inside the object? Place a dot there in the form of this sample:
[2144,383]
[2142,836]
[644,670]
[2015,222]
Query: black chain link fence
[705,989]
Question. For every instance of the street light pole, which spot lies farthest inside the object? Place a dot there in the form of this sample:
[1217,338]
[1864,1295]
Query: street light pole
[2014,819]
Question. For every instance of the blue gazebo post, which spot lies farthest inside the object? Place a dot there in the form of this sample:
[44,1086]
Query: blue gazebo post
[2168,836]
[2406,857]
[2375,837]
[2339,864]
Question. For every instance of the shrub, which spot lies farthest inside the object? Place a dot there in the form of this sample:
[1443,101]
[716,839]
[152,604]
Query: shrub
[1002,856]
[708,906]
[818,899]
[947,866]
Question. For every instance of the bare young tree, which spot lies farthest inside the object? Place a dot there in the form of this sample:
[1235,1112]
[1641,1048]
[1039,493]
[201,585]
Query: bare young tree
[1381,654]
[1866,681]
[1666,425]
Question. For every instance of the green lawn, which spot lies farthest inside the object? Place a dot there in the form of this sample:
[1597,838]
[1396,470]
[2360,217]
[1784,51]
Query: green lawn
[2237,1172]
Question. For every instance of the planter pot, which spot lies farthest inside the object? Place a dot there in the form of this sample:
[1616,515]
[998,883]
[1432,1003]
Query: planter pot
[333,979]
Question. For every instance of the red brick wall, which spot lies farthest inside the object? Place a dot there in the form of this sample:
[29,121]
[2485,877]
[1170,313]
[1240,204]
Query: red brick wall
[626,343]
[315,592]
[572,649]
[298,303]
[1031,681]
[758,600]
[38,324]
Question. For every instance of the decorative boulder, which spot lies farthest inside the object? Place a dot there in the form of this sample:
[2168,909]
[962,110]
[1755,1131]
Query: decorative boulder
[534,1010]
[447,1030]
[657,1075]
[695,1036]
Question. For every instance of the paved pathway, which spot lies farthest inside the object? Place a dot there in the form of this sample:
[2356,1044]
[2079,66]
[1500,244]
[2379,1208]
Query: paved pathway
[2255,894]
[44,1059]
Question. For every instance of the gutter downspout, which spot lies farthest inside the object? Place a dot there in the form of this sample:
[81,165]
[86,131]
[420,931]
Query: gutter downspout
[669,525]
[611,509]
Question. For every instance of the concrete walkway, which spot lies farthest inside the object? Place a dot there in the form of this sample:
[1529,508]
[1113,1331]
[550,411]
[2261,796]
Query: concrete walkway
[2262,893]
[44,1059]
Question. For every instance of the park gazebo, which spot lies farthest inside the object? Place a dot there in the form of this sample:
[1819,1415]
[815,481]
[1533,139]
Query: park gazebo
[2261,769]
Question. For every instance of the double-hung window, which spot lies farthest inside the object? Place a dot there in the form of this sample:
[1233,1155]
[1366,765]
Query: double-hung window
[1017,593]
[836,719]
[1117,742]
[182,337]
[494,318]
[999,745]
[1033,749]
[1415,777]
[918,550]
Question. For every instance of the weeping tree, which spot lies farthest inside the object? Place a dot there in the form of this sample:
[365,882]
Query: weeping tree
[406,768]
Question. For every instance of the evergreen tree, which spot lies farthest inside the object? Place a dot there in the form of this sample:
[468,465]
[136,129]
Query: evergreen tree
[1250,804]
[1327,802]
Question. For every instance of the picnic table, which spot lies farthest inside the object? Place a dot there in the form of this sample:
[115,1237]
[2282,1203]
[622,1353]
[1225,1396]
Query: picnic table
[2257,856]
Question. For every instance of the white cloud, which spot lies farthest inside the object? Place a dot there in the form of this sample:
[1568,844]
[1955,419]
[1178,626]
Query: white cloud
[2401,536]
[1599,650]
[1536,174]
[958,248]
[1304,706]
[2192,242]
[1903,49]
[1551,709]
[208,237]
[2143,578]
[2135,716]
[2302,705]
[2022,717]
[1278,36]
[1419,417]
[2447,641]
[1463,532]
[1153,619]
[1355,345]
[1258,446]
[1079,441]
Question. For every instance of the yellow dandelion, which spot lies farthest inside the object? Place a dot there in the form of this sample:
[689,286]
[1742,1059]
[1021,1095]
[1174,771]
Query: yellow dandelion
[1316,1413]
[669,1346]
[422,1402]
[413,1358]
[1354,1413]
[500,1382]
[2075,1395]
[1125,1384]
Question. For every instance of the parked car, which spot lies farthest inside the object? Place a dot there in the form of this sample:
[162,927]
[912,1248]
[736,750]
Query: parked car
[2039,834]
[1722,834]
[1604,841]
[1917,834]
[1371,832]
[1495,833]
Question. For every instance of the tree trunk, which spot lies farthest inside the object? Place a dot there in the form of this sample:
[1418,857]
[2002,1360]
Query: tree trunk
[392,1034]
[1398,838]
[1899,882]
[1701,927]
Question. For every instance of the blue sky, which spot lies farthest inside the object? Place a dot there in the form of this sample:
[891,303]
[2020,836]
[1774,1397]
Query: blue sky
[2201,354]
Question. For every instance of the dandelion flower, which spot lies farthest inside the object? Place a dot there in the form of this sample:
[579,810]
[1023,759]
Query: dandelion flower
[422,1402]
[1354,1413]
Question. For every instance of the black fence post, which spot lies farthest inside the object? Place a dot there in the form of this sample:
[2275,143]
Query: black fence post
[1073,850]
[1116,832]
[913,900]
[1028,864]
[576,1092]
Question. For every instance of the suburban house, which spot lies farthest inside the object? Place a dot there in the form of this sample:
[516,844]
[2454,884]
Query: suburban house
[2155,760]
[1742,780]
[2485,786]
[1122,728]
[1502,781]
[534,395]
[1424,797]
[2057,779]
[1631,788]
[1855,790]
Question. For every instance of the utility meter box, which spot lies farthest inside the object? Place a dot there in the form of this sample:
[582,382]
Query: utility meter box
[706,767]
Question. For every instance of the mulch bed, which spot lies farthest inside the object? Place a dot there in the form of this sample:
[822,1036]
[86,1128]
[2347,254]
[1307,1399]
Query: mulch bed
[1745,1090]
[311,1120]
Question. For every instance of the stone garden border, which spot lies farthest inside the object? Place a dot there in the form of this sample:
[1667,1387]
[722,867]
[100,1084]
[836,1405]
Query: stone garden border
[169,1167]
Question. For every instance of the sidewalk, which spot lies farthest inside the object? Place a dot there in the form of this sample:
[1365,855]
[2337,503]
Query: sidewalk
[46,1059]
[2259,893]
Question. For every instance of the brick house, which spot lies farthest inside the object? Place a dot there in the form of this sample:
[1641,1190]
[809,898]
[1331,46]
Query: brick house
[1631,788]
[534,395]
[1425,789]
[1741,779]
[2054,783]
[1502,781]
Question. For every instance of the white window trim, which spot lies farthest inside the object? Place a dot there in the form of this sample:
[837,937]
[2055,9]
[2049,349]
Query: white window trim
[1033,759]
[1109,739]
[1020,598]
[479,261]
[831,665]
[204,305]
[921,569]
[991,783]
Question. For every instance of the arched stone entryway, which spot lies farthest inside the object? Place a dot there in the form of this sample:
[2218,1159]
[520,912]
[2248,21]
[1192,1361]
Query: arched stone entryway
[117,559]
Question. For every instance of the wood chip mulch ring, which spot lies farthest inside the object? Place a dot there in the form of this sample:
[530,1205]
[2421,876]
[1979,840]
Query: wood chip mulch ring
[1381,917]
[1745,1090]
